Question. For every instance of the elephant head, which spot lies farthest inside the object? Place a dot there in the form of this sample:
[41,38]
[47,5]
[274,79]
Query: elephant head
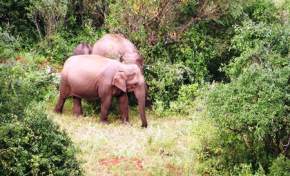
[130,79]
[82,48]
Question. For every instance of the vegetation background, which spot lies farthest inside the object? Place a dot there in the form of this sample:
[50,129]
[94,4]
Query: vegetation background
[226,60]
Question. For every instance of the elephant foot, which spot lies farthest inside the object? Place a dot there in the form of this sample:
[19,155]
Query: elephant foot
[78,114]
[126,123]
[144,125]
[58,110]
[105,122]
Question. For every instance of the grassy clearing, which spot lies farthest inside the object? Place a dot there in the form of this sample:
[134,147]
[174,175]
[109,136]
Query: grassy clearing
[164,148]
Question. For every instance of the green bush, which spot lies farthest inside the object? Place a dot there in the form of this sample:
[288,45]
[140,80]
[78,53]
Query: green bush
[8,45]
[55,47]
[164,82]
[58,47]
[36,147]
[30,144]
[251,113]
[263,11]
[15,19]
[280,166]
[259,43]
[47,15]
[20,84]
[195,51]
[182,63]
[252,110]
[184,103]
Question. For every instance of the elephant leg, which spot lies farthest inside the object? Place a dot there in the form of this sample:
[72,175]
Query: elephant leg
[63,94]
[105,105]
[77,106]
[59,106]
[124,107]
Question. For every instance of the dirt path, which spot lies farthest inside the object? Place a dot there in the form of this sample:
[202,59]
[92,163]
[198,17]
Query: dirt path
[164,148]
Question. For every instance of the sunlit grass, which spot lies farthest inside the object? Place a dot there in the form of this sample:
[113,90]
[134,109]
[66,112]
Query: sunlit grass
[164,148]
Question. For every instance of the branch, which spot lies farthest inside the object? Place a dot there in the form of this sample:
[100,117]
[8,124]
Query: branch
[37,27]
[203,12]
[161,10]
[192,20]
[286,147]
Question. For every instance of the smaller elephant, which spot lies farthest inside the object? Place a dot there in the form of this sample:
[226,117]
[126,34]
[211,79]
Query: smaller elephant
[82,48]
[118,47]
[92,76]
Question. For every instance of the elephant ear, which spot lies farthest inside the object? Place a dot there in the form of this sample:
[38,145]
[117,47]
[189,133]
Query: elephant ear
[119,80]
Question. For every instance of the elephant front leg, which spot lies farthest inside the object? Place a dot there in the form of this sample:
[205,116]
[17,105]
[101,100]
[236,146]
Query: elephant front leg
[105,105]
[124,107]
[77,106]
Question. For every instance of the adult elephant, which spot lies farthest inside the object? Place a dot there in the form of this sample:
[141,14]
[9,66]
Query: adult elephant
[118,47]
[93,76]
[82,48]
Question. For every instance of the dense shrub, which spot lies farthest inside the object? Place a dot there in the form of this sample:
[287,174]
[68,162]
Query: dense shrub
[30,144]
[55,47]
[195,50]
[280,166]
[50,13]
[35,146]
[165,80]
[259,43]
[185,44]
[14,17]
[58,47]
[20,85]
[185,104]
[8,45]
[252,111]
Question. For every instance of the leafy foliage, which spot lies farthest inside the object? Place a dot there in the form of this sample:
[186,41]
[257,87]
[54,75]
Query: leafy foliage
[36,147]
[280,166]
[185,44]
[20,84]
[185,101]
[51,13]
[252,111]
[14,18]
[163,81]
[8,44]
[30,144]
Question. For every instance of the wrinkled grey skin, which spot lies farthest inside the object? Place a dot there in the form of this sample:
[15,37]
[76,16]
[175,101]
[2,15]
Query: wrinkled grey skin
[118,47]
[93,76]
[82,48]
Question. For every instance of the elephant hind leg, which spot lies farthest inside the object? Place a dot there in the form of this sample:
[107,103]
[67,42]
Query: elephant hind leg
[59,106]
[77,106]
[63,94]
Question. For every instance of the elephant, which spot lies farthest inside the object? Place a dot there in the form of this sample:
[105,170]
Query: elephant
[93,76]
[82,48]
[118,47]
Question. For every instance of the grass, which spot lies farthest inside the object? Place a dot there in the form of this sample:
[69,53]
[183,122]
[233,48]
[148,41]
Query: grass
[164,148]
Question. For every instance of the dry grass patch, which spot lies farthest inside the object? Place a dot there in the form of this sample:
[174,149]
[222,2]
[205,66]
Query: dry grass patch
[164,148]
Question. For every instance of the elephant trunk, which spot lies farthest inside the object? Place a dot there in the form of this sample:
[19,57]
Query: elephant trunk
[140,96]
